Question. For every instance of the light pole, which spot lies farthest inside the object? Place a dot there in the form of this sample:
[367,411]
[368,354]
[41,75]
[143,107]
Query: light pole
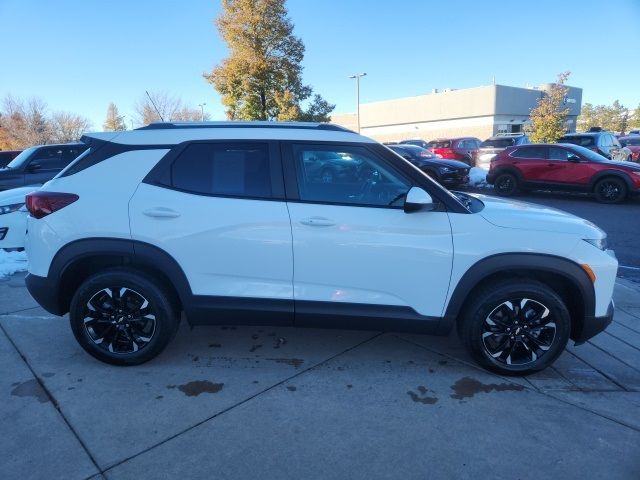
[201,105]
[357,77]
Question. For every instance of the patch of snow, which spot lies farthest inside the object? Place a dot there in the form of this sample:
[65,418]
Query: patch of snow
[478,178]
[12,262]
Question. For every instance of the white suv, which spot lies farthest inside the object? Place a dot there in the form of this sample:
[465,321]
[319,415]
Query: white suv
[308,225]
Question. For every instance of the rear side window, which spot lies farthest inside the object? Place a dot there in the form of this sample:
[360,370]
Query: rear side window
[227,169]
[528,152]
[556,153]
[586,141]
[498,143]
[442,144]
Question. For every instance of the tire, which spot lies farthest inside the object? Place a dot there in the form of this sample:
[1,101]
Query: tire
[506,184]
[610,190]
[533,331]
[469,161]
[130,316]
[630,158]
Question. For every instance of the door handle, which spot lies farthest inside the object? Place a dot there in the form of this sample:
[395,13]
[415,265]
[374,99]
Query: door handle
[317,222]
[161,212]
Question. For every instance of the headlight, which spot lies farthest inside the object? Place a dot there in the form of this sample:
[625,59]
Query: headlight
[600,243]
[10,208]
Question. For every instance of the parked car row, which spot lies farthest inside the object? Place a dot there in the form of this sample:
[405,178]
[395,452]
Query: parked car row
[26,172]
[563,166]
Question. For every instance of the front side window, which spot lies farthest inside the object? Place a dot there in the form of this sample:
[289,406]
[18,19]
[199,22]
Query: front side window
[48,158]
[347,175]
[229,169]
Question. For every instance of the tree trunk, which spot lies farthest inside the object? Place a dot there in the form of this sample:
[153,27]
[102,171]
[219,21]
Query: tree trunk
[263,104]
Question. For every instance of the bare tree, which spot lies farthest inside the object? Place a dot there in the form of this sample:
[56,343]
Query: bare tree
[26,123]
[68,127]
[170,107]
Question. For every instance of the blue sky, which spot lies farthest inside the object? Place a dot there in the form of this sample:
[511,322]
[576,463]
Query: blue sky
[79,55]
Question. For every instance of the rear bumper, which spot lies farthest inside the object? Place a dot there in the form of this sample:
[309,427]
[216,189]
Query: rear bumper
[594,325]
[44,292]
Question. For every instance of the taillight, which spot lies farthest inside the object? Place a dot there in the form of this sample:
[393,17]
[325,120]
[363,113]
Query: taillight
[40,204]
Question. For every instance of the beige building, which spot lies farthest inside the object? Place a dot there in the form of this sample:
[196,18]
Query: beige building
[477,112]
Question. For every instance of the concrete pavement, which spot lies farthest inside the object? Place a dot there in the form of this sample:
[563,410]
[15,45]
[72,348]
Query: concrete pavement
[260,402]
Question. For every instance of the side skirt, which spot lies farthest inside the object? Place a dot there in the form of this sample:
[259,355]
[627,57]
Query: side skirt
[206,310]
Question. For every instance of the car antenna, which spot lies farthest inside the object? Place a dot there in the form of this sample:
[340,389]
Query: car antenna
[154,105]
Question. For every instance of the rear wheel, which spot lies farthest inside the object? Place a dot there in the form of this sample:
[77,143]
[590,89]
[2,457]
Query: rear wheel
[610,190]
[506,184]
[123,317]
[515,327]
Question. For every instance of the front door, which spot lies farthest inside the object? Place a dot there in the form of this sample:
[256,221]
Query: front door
[355,249]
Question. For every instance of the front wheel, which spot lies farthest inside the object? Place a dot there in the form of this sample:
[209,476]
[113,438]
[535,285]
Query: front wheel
[506,184]
[610,190]
[123,317]
[515,327]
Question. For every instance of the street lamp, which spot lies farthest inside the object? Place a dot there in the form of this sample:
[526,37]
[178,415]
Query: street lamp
[357,77]
[201,105]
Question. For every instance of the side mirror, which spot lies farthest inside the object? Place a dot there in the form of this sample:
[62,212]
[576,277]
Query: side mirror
[573,158]
[418,200]
[33,167]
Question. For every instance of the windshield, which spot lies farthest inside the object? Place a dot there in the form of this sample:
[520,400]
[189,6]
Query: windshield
[20,159]
[584,141]
[634,142]
[498,142]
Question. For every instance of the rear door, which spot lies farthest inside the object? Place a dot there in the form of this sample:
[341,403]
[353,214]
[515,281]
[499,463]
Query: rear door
[218,209]
[531,161]
[355,249]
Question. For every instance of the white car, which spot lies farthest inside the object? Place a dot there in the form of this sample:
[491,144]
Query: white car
[226,222]
[13,217]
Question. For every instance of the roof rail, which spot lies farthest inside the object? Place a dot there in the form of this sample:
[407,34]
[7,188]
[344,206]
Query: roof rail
[237,124]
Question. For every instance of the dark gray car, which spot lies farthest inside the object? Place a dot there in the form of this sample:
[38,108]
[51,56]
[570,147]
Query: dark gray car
[39,164]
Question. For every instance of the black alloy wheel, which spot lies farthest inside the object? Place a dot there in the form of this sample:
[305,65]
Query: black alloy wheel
[124,316]
[518,331]
[119,320]
[610,190]
[506,184]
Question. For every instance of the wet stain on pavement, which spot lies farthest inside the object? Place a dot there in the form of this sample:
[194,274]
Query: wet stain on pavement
[215,345]
[442,362]
[291,388]
[197,387]
[254,348]
[30,388]
[48,374]
[431,370]
[255,336]
[421,396]
[294,362]
[159,397]
[196,358]
[467,387]
[349,386]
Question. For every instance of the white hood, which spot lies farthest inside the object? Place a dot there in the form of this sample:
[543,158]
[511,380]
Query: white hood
[16,195]
[529,216]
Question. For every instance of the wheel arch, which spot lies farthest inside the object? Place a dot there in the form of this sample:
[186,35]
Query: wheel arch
[564,276]
[76,261]
[610,173]
[508,169]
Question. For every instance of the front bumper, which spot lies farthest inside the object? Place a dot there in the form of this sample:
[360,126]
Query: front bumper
[594,325]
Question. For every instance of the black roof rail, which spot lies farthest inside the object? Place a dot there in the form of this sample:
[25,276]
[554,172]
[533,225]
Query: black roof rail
[232,124]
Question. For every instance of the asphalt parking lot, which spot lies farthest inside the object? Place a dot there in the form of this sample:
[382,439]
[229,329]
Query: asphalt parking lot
[247,402]
[260,402]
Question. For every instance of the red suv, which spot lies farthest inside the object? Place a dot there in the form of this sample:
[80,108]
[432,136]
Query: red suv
[563,167]
[464,149]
